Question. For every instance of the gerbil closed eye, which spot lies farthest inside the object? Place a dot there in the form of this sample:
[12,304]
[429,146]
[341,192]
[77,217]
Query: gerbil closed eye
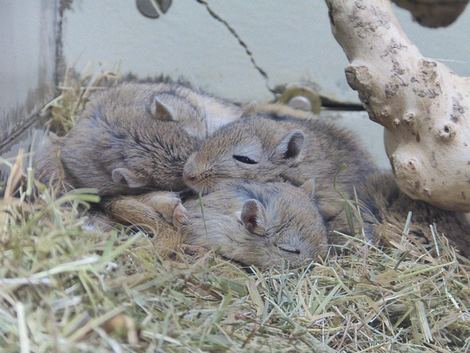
[288,248]
[244,159]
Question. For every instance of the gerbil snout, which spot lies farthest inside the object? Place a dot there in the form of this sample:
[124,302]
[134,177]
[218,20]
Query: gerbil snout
[195,174]
[189,178]
[190,174]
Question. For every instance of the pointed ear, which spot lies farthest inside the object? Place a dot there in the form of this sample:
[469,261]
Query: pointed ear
[309,187]
[253,217]
[291,144]
[160,110]
[125,176]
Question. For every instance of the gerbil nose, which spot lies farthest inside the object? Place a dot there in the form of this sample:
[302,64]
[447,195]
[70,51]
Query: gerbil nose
[190,178]
[189,174]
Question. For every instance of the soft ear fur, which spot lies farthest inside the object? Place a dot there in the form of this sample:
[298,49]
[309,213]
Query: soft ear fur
[127,177]
[291,144]
[160,110]
[309,187]
[253,217]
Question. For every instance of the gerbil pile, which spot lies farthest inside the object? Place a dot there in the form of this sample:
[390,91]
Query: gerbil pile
[65,288]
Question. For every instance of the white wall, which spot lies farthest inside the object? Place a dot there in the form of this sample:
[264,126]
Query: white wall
[28,50]
[291,40]
[28,31]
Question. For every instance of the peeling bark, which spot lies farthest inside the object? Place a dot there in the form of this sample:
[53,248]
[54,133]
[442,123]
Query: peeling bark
[434,13]
[423,105]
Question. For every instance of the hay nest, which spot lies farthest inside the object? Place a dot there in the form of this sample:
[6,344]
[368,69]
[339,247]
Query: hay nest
[66,288]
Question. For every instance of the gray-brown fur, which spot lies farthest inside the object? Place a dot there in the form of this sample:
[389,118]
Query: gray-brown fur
[283,226]
[200,112]
[48,164]
[381,197]
[119,131]
[287,148]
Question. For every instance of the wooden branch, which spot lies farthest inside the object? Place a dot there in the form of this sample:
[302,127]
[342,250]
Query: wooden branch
[423,105]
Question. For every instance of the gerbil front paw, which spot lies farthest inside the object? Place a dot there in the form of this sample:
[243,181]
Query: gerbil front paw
[180,216]
[193,250]
[164,203]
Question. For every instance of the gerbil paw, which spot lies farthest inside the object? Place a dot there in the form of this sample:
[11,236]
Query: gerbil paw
[180,216]
[193,250]
[165,203]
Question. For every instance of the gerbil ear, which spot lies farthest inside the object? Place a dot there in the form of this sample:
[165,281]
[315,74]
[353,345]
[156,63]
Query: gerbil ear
[309,187]
[160,110]
[253,217]
[127,177]
[291,144]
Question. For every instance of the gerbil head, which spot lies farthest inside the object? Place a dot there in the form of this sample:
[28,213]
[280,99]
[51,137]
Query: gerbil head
[153,157]
[249,149]
[129,139]
[280,224]
[276,224]
[141,152]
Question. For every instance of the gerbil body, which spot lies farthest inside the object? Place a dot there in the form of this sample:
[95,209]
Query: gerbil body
[257,224]
[270,147]
[134,137]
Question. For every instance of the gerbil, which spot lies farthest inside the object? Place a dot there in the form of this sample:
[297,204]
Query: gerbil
[273,146]
[261,224]
[134,137]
